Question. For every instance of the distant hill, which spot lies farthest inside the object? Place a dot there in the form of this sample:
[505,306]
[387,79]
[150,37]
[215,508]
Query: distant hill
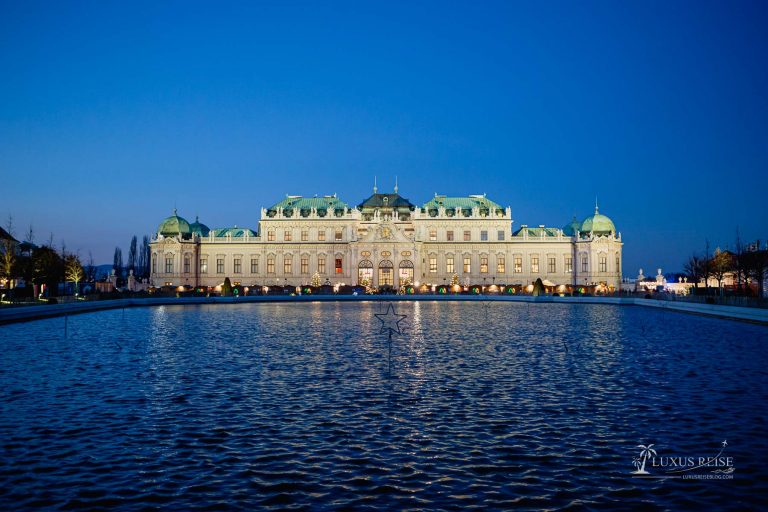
[102,271]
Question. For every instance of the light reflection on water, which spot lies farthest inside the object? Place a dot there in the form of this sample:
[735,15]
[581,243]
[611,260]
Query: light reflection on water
[488,405]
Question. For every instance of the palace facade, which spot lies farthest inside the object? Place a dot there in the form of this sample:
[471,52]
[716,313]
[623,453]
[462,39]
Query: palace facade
[384,241]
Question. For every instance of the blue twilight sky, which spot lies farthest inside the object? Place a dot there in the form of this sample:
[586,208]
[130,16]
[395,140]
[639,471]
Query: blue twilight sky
[111,113]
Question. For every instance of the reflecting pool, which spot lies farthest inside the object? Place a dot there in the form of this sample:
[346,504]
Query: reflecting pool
[481,405]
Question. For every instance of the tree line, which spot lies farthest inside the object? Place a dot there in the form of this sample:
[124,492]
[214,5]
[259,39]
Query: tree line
[747,264]
[138,259]
[48,265]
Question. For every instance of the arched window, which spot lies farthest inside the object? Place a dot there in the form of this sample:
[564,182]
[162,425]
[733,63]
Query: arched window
[365,271]
[386,273]
[406,271]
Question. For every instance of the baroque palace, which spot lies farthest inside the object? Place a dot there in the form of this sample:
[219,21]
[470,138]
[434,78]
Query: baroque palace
[387,241]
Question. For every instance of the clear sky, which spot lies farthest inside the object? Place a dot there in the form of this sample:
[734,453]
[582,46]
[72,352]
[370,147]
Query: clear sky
[112,113]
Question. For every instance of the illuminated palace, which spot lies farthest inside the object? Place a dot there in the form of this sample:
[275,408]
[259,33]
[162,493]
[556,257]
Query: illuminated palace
[384,241]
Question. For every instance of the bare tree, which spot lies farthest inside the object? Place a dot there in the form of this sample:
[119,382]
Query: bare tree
[30,236]
[8,253]
[117,262]
[73,270]
[720,265]
[694,268]
[132,255]
[145,255]
[90,269]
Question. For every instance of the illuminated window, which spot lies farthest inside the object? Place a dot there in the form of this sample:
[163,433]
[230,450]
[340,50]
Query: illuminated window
[339,268]
[254,266]
[287,235]
[449,265]
[238,263]
[534,264]
[203,265]
[467,265]
[287,264]
[169,264]
[449,235]
[270,236]
[432,265]
[518,265]
[500,265]
[501,235]
[568,264]
[304,235]
[603,264]
[219,265]
[467,236]
[551,265]
[483,236]
[304,265]
[432,235]
[321,235]
[321,264]
[187,263]
[338,235]
[271,265]
[484,263]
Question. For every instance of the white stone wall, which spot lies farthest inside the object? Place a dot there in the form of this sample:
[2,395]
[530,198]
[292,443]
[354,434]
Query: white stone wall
[379,240]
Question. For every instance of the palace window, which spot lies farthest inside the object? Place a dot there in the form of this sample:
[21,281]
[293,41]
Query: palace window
[321,235]
[338,235]
[518,264]
[483,236]
[432,235]
[467,265]
[304,265]
[501,235]
[467,235]
[271,235]
[534,264]
[321,264]
[254,266]
[603,264]
[304,235]
[449,235]
[618,264]
[339,268]
[583,263]
[483,264]
[203,265]
[287,264]
[169,264]
[271,265]
[187,263]
[154,264]
[219,265]
[551,265]
[449,265]
[500,265]
[568,264]
[238,264]
[432,265]
[287,235]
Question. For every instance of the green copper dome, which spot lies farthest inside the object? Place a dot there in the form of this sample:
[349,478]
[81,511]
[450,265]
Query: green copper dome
[198,228]
[572,228]
[598,224]
[174,225]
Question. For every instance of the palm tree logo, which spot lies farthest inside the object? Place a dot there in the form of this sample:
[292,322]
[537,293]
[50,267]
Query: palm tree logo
[639,462]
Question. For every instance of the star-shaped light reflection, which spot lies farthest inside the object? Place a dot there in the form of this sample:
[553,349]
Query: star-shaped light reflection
[390,321]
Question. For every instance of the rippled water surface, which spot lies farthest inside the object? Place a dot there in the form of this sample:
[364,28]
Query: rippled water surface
[495,405]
